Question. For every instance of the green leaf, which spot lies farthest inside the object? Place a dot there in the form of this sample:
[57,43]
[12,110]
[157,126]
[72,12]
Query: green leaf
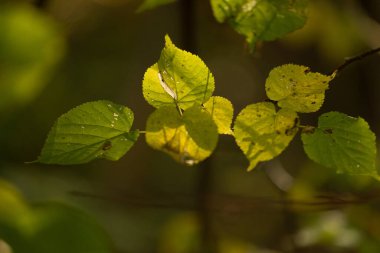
[151,4]
[296,88]
[261,20]
[189,139]
[92,130]
[262,133]
[221,111]
[31,45]
[343,143]
[178,79]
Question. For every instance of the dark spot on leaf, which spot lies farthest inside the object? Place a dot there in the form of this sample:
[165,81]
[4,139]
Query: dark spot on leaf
[313,103]
[328,131]
[107,145]
[307,71]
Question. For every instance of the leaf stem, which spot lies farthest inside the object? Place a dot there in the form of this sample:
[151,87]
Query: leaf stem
[306,129]
[351,60]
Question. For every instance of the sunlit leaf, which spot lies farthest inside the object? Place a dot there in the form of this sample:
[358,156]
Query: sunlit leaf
[92,130]
[343,143]
[31,45]
[47,227]
[151,4]
[262,133]
[296,88]
[189,139]
[222,111]
[178,79]
[261,20]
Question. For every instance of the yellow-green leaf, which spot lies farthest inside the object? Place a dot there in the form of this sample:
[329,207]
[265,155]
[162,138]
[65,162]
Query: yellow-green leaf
[262,133]
[221,111]
[296,88]
[189,139]
[343,143]
[99,129]
[178,79]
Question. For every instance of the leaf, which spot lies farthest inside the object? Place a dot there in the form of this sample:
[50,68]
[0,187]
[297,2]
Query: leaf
[262,133]
[261,20]
[189,139]
[92,130]
[178,79]
[31,45]
[221,111]
[343,143]
[151,4]
[296,88]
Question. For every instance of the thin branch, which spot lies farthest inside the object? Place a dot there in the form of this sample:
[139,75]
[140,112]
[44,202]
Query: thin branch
[233,204]
[349,61]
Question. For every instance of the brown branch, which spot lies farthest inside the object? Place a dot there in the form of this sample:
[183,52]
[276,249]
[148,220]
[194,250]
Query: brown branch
[351,60]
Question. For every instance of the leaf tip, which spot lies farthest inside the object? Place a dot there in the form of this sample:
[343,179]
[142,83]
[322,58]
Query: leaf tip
[168,41]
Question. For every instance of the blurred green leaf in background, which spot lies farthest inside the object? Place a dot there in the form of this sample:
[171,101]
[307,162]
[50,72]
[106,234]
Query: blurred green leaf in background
[47,227]
[31,45]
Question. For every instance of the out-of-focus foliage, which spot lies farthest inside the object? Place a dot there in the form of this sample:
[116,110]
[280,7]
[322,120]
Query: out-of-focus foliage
[92,130]
[262,20]
[47,227]
[181,234]
[151,4]
[336,30]
[31,45]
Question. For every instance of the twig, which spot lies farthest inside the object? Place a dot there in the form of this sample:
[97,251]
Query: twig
[349,61]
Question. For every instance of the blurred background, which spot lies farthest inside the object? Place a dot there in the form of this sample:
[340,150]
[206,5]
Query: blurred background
[56,54]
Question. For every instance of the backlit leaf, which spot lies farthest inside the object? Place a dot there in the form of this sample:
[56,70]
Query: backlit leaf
[92,130]
[178,79]
[296,88]
[343,143]
[261,20]
[262,133]
[221,111]
[189,139]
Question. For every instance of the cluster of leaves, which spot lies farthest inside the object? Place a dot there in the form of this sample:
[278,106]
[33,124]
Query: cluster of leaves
[256,20]
[188,120]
